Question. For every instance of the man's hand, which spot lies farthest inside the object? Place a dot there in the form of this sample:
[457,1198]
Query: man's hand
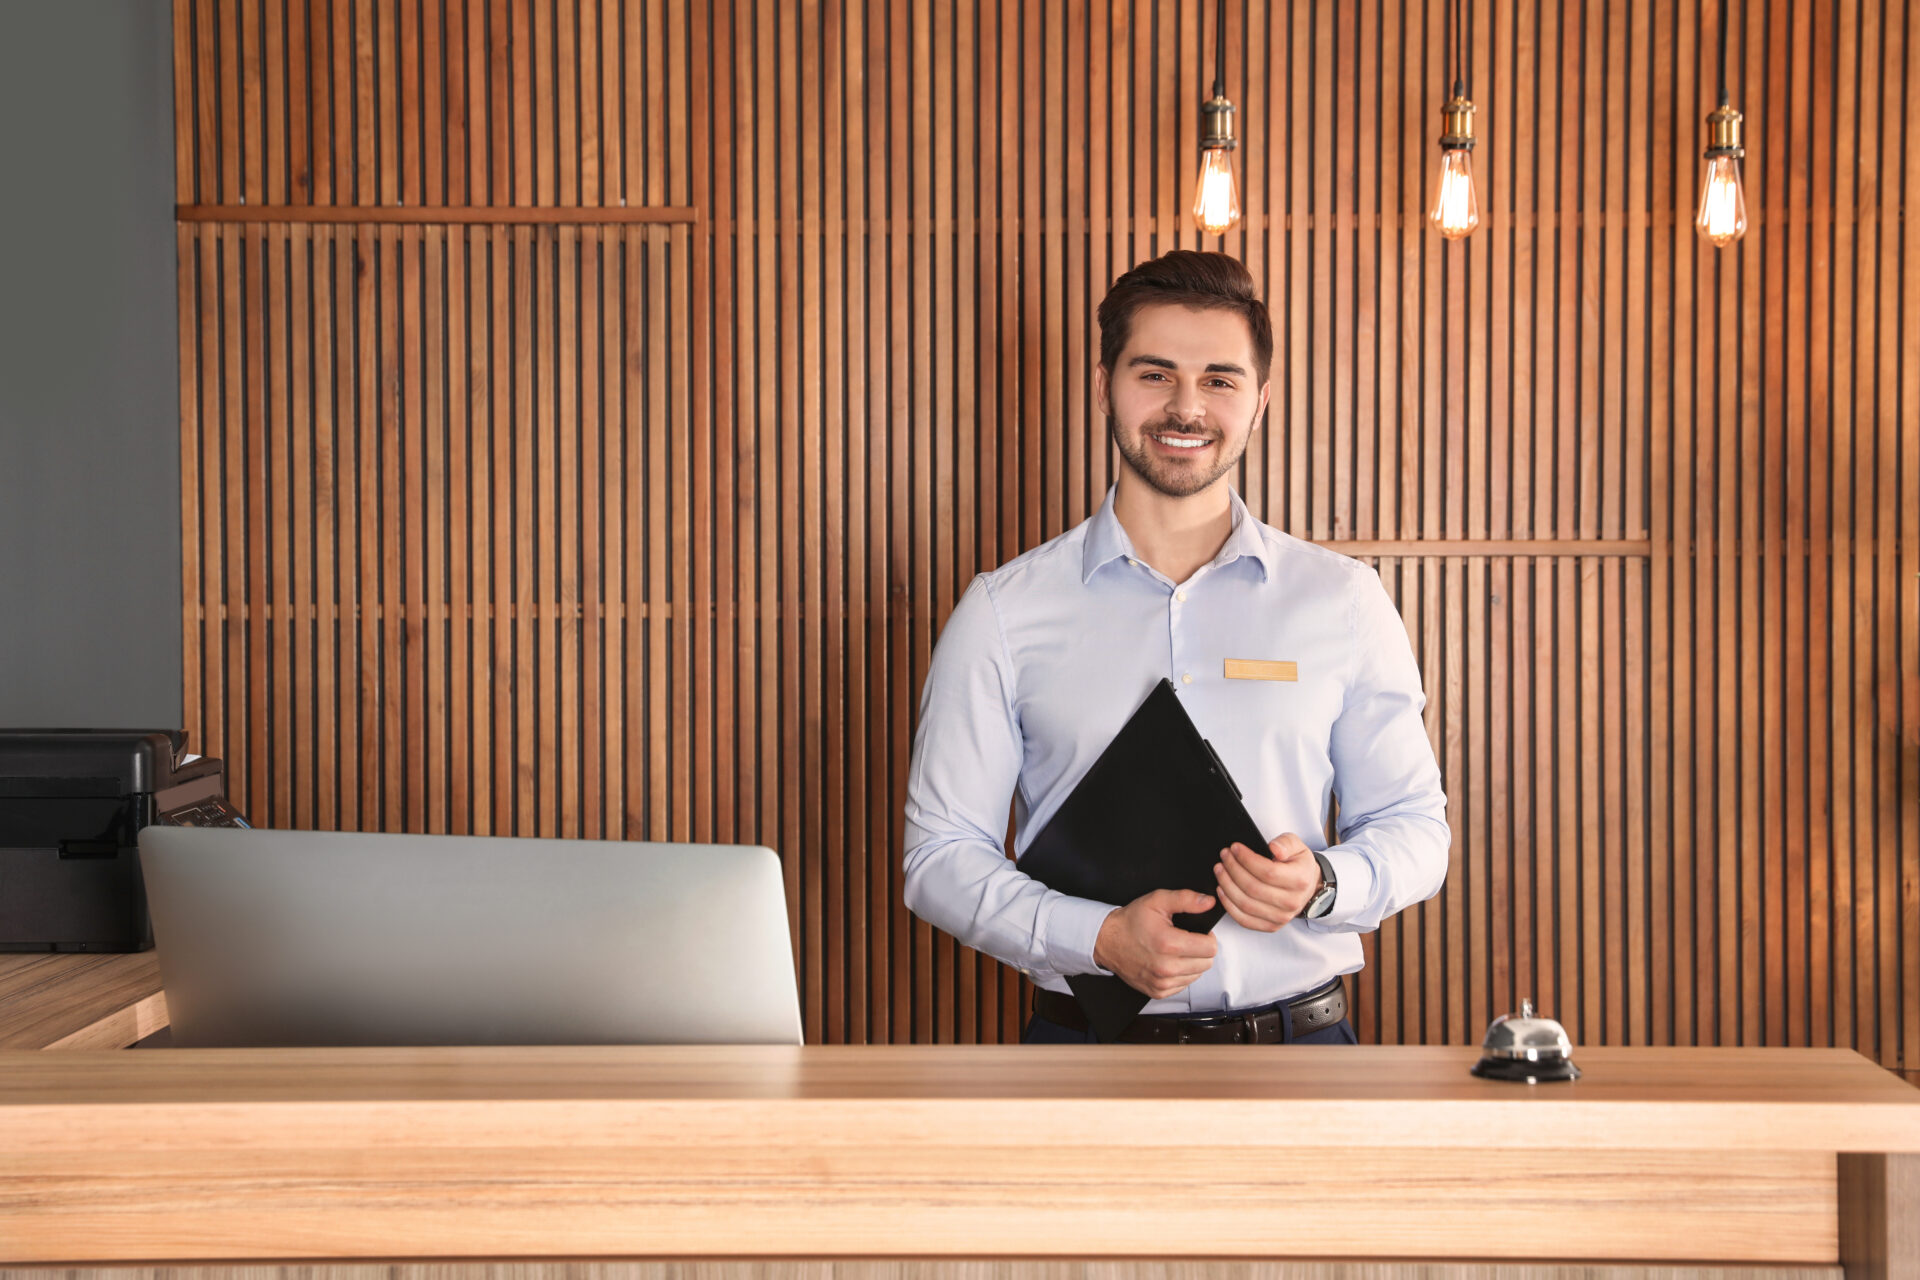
[1263,894]
[1141,943]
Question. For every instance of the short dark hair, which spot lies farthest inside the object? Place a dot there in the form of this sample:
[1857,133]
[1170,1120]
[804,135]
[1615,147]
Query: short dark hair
[1187,278]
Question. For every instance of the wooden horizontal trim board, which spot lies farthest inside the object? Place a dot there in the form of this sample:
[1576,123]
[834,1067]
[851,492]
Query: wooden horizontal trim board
[1700,1155]
[1412,220]
[1446,547]
[408,216]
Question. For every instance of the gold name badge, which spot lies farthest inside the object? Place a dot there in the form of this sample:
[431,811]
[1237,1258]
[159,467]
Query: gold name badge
[1251,669]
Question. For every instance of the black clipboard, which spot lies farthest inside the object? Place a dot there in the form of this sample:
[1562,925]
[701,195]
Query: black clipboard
[1154,812]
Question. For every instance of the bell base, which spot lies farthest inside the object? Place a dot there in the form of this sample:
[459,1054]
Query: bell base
[1520,1071]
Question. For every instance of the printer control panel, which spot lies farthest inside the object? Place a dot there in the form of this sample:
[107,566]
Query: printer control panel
[198,802]
[208,813]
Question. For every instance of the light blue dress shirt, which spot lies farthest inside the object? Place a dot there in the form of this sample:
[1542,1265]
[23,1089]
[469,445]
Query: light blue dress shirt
[1046,657]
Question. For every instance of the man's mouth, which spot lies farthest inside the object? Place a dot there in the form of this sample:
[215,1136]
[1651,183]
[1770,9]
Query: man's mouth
[1178,441]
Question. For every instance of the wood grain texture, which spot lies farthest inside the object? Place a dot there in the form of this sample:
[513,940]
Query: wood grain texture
[591,411]
[1187,1268]
[1406,1095]
[74,1001]
[851,1150]
[854,1201]
[1879,1228]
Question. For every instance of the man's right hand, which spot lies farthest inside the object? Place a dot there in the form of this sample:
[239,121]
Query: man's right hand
[1141,943]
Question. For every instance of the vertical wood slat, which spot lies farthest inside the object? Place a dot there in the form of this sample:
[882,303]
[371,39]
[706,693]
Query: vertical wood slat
[187,265]
[276,562]
[953,983]
[827,678]
[908,1018]
[1854,822]
[648,533]
[375,733]
[1906,719]
[1900,880]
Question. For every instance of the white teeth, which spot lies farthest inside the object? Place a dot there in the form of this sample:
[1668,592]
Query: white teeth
[1181,444]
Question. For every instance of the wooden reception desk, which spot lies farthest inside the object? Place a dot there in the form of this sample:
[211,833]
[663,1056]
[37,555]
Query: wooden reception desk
[1658,1155]
[79,1000]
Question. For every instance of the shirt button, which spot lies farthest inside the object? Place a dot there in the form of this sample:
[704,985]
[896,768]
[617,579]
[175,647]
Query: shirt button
[1181,596]
[1186,678]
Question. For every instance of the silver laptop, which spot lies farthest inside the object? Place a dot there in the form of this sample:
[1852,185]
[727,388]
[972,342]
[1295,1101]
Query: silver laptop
[314,938]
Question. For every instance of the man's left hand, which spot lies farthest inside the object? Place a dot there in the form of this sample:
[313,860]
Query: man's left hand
[1262,893]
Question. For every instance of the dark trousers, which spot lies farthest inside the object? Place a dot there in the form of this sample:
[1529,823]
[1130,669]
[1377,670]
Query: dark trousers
[1040,1031]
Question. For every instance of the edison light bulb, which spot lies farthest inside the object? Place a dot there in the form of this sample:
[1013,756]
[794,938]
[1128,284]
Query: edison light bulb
[1216,200]
[1455,210]
[1723,207]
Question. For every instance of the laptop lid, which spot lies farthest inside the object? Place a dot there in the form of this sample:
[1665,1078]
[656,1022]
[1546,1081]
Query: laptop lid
[329,938]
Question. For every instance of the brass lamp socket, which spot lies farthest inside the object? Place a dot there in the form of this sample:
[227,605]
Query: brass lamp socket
[1456,125]
[1216,125]
[1723,133]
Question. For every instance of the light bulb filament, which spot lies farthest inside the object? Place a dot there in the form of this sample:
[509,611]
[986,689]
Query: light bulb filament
[1456,211]
[1723,208]
[1216,199]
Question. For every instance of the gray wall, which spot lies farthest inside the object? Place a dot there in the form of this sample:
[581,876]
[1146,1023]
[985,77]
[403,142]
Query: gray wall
[89,384]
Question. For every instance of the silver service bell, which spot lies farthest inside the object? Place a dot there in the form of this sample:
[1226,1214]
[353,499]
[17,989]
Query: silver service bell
[1526,1049]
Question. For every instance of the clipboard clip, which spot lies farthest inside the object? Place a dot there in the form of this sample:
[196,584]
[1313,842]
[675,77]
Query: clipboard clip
[1220,767]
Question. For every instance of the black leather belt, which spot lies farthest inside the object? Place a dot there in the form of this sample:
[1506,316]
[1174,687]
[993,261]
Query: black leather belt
[1314,1011]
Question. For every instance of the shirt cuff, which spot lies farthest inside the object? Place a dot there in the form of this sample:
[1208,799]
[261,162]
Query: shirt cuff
[1353,886]
[1072,927]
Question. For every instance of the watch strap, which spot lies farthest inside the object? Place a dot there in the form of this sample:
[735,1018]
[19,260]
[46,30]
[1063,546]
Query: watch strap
[1322,900]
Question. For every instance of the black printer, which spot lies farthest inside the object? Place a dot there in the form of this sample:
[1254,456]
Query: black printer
[72,802]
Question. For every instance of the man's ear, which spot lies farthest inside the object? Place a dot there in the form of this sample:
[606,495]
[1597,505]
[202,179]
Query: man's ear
[1266,390]
[1100,390]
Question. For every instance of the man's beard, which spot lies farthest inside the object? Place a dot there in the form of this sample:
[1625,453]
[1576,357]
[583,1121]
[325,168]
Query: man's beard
[1163,475]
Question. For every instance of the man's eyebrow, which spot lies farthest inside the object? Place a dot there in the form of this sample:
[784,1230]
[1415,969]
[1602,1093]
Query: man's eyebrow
[1161,362]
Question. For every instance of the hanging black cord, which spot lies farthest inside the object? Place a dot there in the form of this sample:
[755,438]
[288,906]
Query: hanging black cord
[1723,52]
[1220,51]
[1451,15]
[1466,80]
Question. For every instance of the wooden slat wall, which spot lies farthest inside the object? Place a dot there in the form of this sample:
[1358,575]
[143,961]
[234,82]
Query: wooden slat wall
[606,528]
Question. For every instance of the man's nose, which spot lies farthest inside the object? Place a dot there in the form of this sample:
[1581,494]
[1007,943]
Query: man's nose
[1185,404]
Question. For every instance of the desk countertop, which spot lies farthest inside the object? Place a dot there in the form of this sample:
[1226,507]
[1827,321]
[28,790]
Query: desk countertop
[79,1000]
[1680,1154]
[1631,1099]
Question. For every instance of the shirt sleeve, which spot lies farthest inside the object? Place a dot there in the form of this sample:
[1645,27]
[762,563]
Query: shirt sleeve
[1394,839]
[966,763]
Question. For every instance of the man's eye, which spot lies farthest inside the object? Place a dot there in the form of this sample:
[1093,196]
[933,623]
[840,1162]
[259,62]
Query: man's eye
[1222,382]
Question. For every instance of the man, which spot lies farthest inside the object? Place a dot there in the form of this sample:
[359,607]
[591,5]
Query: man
[1045,658]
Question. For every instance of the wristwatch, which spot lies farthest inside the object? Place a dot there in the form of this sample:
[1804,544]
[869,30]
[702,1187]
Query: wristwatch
[1322,900]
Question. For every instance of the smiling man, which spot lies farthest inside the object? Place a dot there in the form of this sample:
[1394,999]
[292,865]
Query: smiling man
[1290,658]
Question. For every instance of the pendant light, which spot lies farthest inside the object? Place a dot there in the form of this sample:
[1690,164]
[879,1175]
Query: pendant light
[1722,217]
[1456,211]
[1216,197]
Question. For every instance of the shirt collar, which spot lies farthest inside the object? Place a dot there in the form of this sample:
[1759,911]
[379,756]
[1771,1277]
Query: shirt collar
[1245,539]
[1107,540]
